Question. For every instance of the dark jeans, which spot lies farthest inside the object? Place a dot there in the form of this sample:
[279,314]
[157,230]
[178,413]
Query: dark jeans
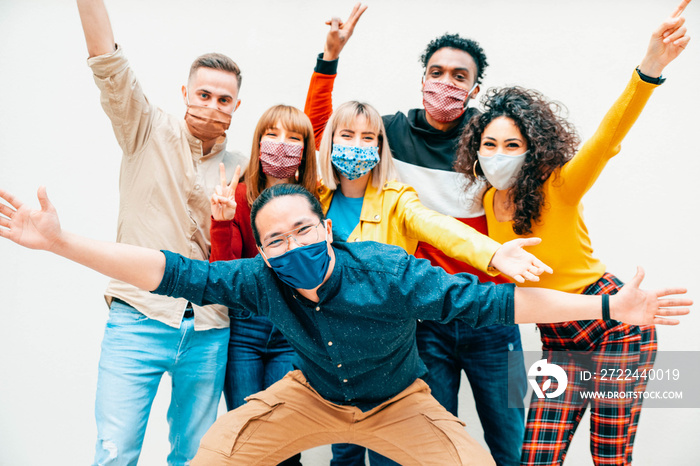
[347,454]
[447,349]
[258,356]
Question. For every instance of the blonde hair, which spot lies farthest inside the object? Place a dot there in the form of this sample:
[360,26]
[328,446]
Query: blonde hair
[344,116]
[292,119]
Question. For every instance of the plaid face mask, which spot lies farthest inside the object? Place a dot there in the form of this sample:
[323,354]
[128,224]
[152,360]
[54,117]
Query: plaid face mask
[279,159]
[444,102]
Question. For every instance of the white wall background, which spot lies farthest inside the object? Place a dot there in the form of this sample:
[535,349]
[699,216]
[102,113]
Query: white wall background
[53,132]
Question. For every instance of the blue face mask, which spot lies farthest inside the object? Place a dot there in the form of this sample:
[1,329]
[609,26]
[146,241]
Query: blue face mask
[304,267]
[354,161]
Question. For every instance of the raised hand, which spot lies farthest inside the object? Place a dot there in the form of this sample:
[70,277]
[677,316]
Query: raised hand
[512,260]
[641,307]
[34,229]
[223,200]
[667,42]
[340,32]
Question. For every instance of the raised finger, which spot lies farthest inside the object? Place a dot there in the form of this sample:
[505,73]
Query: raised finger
[542,267]
[222,174]
[234,180]
[676,311]
[674,303]
[6,210]
[530,276]
[532,241]
[12,200]
[680,8]
[670,291]
[662,321]
[355,16]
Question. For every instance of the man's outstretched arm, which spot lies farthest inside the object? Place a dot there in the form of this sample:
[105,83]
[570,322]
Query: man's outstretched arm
[41,229]
[631,305]
[96,27]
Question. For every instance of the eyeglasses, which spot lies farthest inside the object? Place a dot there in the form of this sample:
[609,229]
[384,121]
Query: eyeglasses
[303,236]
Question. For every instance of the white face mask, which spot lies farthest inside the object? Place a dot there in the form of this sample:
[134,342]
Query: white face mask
[501,170]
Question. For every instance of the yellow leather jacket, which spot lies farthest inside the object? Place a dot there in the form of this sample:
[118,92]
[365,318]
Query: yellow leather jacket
[394,215]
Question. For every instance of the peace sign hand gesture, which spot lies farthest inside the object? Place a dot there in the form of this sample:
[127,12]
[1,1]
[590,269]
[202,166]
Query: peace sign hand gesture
[340,32]
[223,200]
[667,42]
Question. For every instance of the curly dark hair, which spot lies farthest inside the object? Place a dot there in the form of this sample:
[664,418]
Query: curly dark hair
[551,140]
[455,41]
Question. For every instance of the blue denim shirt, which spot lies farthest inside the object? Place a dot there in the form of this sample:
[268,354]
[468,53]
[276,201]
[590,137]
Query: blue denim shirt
[357,345]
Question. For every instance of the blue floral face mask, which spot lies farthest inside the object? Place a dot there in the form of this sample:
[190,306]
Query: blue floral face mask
[354,161]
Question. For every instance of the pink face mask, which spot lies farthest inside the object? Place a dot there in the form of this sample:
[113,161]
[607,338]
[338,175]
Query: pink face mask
[279,159]
[444,102]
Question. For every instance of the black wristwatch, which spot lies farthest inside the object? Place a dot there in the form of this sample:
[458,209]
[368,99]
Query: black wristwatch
[649,79]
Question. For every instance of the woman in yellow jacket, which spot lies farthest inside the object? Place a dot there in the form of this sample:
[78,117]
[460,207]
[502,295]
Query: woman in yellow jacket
[364,203]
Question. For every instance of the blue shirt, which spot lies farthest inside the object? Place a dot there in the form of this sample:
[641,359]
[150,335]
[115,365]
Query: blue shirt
[357,345]
[345,214]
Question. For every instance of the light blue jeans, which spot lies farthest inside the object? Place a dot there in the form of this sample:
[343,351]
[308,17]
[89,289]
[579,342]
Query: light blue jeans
[136,351]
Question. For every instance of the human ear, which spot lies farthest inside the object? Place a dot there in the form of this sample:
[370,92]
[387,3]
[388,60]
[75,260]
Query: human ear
[184,94]
[329,230]
[475,92]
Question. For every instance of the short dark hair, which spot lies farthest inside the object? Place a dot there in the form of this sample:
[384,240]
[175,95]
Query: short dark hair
[216,61]
[455,41]
[279,190]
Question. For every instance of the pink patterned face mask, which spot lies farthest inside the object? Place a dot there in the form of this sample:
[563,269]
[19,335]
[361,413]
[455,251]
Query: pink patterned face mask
[444,102]
[279,159]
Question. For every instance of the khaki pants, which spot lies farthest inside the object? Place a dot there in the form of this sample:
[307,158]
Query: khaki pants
[290,416]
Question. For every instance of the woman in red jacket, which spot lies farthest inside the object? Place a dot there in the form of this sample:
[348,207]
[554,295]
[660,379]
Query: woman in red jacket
[283,152]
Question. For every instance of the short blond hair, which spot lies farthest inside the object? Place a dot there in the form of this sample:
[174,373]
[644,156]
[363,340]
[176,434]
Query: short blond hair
[344,115]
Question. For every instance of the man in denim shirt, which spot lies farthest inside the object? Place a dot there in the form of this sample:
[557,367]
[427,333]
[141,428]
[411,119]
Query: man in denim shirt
[350,312]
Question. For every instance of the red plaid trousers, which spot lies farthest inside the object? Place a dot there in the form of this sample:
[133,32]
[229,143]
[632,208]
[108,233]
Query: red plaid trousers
[551,422]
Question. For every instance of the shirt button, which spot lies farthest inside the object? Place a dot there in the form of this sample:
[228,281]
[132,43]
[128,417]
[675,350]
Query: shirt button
[330,343]
[196,186]
[318,308]
[340,365]
[345,380]
[377,217]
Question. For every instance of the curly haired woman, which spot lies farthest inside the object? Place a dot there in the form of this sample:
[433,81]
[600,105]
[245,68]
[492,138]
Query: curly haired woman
[527,153]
